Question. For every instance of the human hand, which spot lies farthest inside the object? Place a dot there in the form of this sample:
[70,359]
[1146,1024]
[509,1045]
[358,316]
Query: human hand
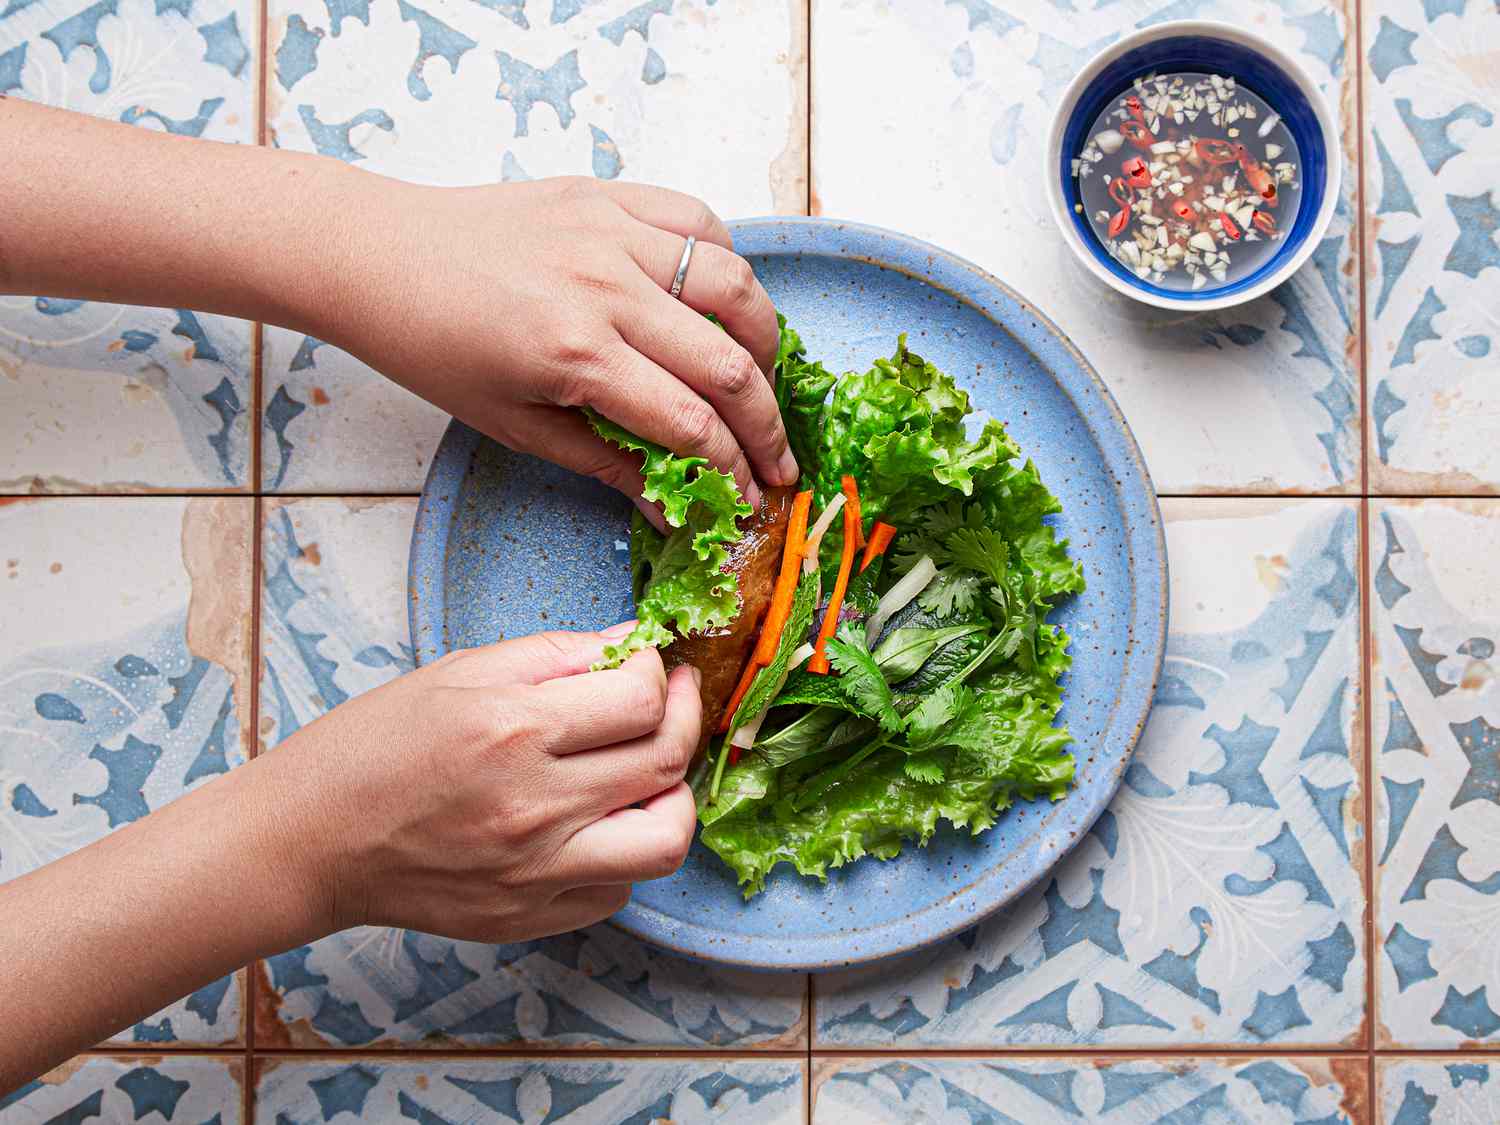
[488,796]
[511,305]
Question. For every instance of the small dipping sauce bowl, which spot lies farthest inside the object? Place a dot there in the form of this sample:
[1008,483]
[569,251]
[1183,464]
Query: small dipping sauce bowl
[1195,47]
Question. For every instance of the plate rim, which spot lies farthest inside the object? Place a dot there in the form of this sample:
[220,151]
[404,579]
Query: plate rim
[966,282]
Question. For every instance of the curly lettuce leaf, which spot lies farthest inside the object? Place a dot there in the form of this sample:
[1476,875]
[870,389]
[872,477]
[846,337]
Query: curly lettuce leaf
[801,392]
[680,581]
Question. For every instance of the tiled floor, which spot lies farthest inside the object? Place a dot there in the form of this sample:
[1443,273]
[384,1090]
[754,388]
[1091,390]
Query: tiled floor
[1288,913]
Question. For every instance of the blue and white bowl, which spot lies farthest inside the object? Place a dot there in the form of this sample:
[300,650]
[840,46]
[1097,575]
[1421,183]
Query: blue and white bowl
[1196,45]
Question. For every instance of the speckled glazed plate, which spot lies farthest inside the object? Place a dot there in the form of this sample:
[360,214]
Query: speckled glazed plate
[506,545]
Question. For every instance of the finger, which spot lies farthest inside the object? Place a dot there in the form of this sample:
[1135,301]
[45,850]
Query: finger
[564,437]
[599,708]
[710,362]
[644,398]
[718,281]
[633,845]
[614,777]
[669,210]
[535,659]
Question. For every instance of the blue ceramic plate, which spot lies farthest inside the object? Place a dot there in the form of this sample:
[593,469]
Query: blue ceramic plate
[506,545]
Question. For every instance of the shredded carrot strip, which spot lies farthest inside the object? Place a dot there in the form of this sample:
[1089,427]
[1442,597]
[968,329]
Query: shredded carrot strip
[851,496]
[880,538]
[785,590]
[818,662]
[734,755]
[746,678]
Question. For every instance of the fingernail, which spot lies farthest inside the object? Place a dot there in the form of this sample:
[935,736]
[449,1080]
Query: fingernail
[617,632]
[752,496]
[788,467]
[697,675]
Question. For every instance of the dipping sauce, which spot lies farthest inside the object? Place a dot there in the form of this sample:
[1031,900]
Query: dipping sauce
[1189,180]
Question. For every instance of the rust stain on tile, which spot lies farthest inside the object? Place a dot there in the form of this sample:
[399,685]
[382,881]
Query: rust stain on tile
[320,397]
[216,546]
[788,171]
[313,556]
[1388,478]
[824,1069]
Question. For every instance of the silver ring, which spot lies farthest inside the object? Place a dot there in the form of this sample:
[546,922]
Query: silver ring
[682,267]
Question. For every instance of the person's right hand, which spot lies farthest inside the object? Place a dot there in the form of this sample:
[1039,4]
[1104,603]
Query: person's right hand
[499,794]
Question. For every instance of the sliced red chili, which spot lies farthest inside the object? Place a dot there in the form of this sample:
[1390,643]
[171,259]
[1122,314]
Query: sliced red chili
[1216,151]
[1119,222]
[1137,134]
[1264,222]
[1133,104]
[1228,224]
[1184,210]
[1120,192]
[1136,172]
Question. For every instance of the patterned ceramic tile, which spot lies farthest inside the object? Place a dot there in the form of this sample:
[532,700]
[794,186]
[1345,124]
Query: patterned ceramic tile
[1432,167]
[1438,1091]
[448,91]
[1262,398]
[104,397]
[1220,899]
[122,1088]
[124,660]
[1436,614]
[334,621]
[334,425]
[535,1091]
[1033,1091]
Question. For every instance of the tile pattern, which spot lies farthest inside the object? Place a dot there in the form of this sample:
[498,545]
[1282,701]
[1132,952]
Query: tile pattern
[101,397]
[1436,1091]
[1219,903]
[454,92]
[534,1091]
[1436,709]
[1108,1091]
[1263,398]
[334,624]
[121,1088]
[124,682]
[1219,899]
[1432,164]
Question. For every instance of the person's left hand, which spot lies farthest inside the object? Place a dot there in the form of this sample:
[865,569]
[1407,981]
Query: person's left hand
[510,306]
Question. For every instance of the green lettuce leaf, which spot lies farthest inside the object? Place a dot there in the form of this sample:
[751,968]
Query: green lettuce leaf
[681,583]
[801,392]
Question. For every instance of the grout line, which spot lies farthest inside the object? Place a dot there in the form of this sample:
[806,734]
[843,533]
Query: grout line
[1359,250]
[812,1017]
[1366,625]
[808,146]
[564,1053]
[250,992]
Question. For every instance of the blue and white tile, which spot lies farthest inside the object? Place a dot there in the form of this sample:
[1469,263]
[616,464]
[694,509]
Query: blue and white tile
[535,1091]
[1435,714]
[1432,174]
[1032,1091]
[706,97]
[1259,399]
[1436,1091]
[124,682]
[334,624]
[102,397]
[331,424]
[1220,898]
[121,1088]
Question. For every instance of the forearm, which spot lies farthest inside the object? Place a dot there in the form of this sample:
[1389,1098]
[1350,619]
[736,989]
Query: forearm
[112,933]
[101,211]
